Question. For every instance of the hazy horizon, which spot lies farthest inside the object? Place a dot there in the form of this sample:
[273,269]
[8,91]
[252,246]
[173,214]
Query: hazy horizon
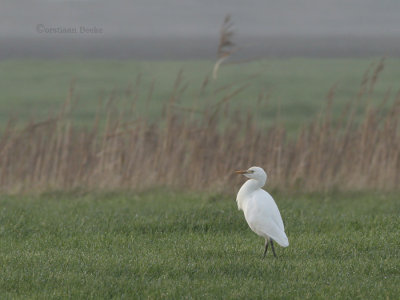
[179,28]
[158,18]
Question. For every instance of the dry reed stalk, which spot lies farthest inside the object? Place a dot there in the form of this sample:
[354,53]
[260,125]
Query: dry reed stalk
[225,44]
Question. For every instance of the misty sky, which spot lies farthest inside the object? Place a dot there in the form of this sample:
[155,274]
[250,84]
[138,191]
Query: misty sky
[163,18]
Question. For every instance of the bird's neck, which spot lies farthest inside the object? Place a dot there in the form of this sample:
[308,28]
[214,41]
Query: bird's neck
[252,184]
[247,188]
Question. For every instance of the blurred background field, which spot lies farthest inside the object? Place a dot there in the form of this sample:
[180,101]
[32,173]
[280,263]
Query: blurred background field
[295,89]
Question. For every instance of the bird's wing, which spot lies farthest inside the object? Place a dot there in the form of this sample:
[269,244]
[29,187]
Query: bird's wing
[273,209]
[264,217]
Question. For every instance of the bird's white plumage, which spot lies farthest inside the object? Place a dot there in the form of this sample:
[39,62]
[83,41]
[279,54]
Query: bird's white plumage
[260,209]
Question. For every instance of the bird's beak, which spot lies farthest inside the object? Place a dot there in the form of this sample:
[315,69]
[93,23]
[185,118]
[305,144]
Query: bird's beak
[241,172]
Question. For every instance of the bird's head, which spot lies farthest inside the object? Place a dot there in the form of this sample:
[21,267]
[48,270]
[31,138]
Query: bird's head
[256,173]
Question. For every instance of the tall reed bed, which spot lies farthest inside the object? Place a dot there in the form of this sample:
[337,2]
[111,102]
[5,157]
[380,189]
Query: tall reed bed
[189,148]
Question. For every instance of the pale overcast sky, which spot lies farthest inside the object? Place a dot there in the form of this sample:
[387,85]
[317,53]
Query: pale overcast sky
[155,18]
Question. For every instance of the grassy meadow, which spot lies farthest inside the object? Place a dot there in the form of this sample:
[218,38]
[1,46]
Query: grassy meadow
[163,244]
[143,169]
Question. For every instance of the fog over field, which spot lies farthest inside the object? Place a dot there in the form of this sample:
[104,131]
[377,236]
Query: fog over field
[176,29]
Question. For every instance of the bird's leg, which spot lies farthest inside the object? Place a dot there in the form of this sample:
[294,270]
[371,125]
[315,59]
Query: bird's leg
[272,246]
[266,247]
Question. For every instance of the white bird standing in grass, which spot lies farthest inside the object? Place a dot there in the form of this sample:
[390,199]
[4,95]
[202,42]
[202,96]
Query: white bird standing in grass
[260,209]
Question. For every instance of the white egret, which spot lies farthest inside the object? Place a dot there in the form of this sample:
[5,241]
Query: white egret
[260,209]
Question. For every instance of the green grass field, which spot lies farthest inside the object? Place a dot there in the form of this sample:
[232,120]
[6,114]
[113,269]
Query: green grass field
[297,87]
[173,245]
[165,244]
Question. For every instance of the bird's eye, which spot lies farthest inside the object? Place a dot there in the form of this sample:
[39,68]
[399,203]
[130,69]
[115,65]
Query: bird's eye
[251,171]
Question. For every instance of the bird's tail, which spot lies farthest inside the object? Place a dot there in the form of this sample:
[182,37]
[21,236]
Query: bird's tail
[282,240]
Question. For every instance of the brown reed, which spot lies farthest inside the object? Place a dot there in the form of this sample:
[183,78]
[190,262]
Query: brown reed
[225,46]
[189,149]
